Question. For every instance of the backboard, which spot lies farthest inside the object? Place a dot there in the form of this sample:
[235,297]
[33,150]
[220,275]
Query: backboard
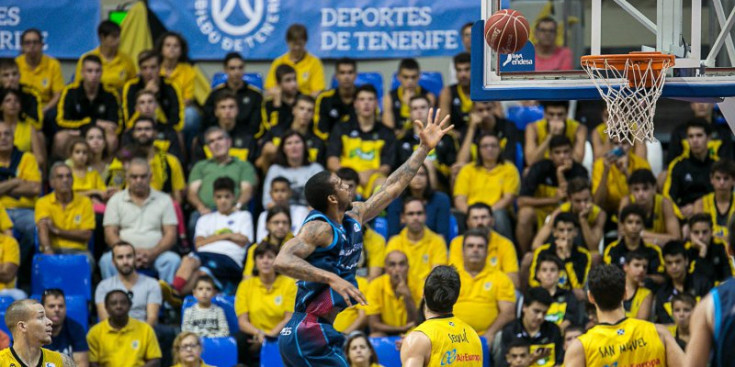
[703,70]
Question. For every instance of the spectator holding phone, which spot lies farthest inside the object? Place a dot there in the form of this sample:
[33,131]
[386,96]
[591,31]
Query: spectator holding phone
[610,175]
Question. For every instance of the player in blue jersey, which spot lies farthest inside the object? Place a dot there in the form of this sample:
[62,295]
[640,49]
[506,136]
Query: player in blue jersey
[325,253]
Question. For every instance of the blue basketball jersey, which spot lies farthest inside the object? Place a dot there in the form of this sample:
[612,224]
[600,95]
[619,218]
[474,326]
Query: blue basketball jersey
[341,257]
[723,300]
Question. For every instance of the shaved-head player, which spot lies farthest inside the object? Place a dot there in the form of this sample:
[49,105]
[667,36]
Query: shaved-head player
[617,340]
[325,254]
[31,330]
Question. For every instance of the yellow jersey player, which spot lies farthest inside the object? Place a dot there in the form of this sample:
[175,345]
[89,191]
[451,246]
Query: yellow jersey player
[617,340]
[31,329]
[442,339]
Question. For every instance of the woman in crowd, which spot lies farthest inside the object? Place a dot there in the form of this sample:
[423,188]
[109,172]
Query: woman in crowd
[263,304]
[187,351]
[278,225]
[99,157]
[359,351]
[292,162]
[436,202]
[25,136]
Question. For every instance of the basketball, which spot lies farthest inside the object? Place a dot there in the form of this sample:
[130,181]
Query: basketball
[506,31]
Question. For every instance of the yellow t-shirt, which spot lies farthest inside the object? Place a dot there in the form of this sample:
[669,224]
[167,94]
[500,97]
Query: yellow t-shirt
[480,185]
[46,77]
[309,73]
[382,300]
[617,182]
[182,77]
[9,253]
[452,341]
[130,346]
[77,215]
[629,342]
[22,134]
[632,307]
[115,72]
[423,255]
[49,358]
[501,253]
[478,299]
[5,222]
[160,176]
[265,308]
[542,131]
[90,181]
[201,365]
[27,170]
[345,318]
[374,246]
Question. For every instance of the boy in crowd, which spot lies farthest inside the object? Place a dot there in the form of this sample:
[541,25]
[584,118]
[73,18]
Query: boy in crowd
[591,217]
[610,174]
[661,223]
[281,193]
[576,259]
[518,354]
[243,145]
[678,280]
[396,111]
[720,143]
[544,337]
[204,318]
[544,186]
[455,99]
[277,109]
[117,67]
[335,105]
[638,299]
[631,219]
[682,306]
[707,252]
[688,177]
[565,311]
[720,204]
[555,123]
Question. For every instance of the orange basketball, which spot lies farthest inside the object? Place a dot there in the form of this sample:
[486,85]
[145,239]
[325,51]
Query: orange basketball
[506,31]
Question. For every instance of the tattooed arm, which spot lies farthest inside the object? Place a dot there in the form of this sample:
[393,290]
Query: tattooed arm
[290,260]
[430,135]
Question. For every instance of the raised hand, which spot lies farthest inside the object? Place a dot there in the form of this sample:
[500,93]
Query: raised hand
[433,131]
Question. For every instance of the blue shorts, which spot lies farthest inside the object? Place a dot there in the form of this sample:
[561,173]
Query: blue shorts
[311,341]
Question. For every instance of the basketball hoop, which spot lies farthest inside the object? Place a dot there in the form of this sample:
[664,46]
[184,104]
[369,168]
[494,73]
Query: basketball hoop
[630,84]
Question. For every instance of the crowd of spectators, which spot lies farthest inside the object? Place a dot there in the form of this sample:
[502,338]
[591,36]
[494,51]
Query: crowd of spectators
[181,199]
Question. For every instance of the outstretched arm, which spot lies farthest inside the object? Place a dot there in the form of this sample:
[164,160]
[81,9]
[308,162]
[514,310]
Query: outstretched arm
[430,135]
[290,260]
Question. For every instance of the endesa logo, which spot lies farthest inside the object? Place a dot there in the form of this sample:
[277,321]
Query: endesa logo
[237,25]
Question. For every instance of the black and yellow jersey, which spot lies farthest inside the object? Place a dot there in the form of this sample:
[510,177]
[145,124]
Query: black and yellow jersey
[249,109]
[694,284]
[330,110]
[564,307]
[688,179]
[654,221]
[461,106]
[170,102]
[542,131]
[629,342]
[362,150]
[76,110]
[402,112]
[30,102]
[595,211]
[549,337]
[720,144]
[244,146]
[576,266]
[633,304]
[8,357]
[615,254]
[443,156]
[453,342]
[715,265]
[541,180]
[277,116]
[719,220]
[507,133]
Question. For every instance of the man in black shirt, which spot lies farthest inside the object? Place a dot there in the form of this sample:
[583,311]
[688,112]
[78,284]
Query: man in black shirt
[688,177]
[244,146]
[249,98]
[678,280]
[335,105]
[455,99]
[87,102]
[720,144]
[483,119]
[277,109]
[301,120]
[534,329]
[169,98]
[544,187]
[709,254]
[29,98]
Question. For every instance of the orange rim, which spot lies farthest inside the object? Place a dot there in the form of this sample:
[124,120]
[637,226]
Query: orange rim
[656,61]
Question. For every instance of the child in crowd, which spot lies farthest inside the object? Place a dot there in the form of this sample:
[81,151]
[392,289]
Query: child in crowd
[682,306]
[204,318]
[87,181]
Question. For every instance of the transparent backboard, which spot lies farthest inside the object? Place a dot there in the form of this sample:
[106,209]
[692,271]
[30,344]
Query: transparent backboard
[697,32]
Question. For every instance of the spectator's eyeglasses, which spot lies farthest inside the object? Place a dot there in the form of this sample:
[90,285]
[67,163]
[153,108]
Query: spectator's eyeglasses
[189,346]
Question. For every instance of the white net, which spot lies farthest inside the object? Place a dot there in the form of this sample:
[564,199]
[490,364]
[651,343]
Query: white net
[630,91]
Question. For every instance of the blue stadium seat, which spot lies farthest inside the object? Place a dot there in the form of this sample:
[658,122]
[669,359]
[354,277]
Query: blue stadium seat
[432,81]
[380,225]
[520,162]
[70,273]
[226,302]
[524,115]
[256,79]
[453,227]
[77,309]
[370,77]
[4,304]
[385,348]
[270,355]
[221,352]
